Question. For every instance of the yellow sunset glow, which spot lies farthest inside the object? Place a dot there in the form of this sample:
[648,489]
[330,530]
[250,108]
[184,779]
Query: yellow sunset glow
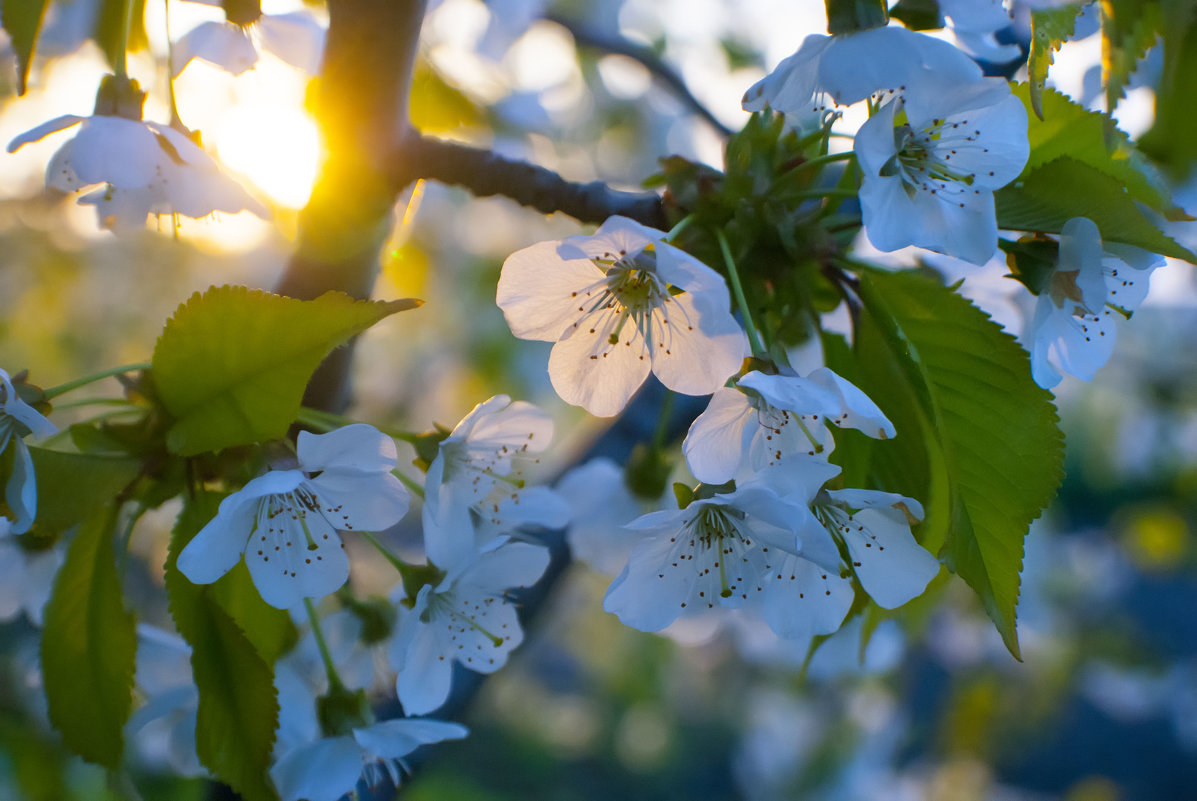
[276,148]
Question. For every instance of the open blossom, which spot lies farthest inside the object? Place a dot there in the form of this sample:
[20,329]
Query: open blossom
[928,180]
[476,487]
[286,521]
[769,418]
[18,420]
[466,617]
[296,38]
[1072,330]
[850,67]
[617,304]
[875,527]
[718,551]
[328,768]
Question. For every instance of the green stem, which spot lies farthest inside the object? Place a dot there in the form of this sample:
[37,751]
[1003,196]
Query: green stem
[327,421]
[410,483]
[754,339]
[407,572]
[334,680]
[83,402]
[663,421]
[818,161]
[682,225]
[82,382]
[829,192]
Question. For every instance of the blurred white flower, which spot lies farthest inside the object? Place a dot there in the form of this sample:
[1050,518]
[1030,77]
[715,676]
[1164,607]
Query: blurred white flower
[466,617]
[296,38]
[476,487]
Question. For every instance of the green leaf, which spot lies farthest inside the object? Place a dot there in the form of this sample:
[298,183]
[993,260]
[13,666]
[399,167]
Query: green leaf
[238,706]
[849,16]
[232,363]
[112,18]
[22,21]
[1050,28]
[89,646]
[977,440]
[1129,29]
[71,487]
[1091,137]
[1049,196]
[1171,140]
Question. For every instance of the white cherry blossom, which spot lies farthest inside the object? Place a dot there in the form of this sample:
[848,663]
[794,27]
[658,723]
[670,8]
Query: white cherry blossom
[875,527]
[476,487]
[235,46]
[143,168]
[466,617]
[848,68]
[286,521]
[1072,330]
[18,420]
[328,768]
[602,504]
[766,419]
[717,552]
[928,179]
[617,304]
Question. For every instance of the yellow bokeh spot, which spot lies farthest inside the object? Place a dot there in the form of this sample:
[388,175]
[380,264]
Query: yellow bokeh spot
[278,149]
[1156,539]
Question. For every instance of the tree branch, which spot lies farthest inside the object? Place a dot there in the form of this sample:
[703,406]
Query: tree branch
[486,173]
[646,57]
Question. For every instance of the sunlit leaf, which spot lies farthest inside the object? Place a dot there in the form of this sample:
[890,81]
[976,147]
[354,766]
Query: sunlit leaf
[1049,196]
[1069,129]
[118,28]
[22,22]
[89,646]
[238,706]
[437,107]
[977,440]
[1050,28]
[232,363]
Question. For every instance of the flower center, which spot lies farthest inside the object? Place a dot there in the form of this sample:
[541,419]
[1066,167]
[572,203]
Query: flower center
[923,159]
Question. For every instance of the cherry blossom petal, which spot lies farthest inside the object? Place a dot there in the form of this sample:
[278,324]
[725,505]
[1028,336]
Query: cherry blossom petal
[891,566]
[718,437]
[600,380]
[699,349]
[358,448]
[296,38]
[542,294]
[616,237]
[40,132]
[655,585]
[291,561]
[803,599]
[854,409]
[321,771]
[124,153]
[21,490]
[392,739]
[226,45]
[601,504]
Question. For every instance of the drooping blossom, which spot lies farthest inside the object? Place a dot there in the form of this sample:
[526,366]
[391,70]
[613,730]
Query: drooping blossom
[286,522]
[767,418]
[477,486]
[466,617]
[330,767]
[619,304]
[1072,330]
[928,179]
[847,68]
[18,420]
[140,167]
[26,574]
[235,45]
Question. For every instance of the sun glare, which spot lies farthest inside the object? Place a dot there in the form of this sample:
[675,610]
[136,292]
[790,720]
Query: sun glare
[275,148]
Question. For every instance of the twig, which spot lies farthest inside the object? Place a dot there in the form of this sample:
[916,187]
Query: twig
[486,173]
[648,58]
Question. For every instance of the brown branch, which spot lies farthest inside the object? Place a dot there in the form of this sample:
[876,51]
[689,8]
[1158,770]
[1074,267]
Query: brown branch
[486,173]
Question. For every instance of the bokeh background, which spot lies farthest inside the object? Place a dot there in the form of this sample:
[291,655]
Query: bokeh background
[1103,706]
